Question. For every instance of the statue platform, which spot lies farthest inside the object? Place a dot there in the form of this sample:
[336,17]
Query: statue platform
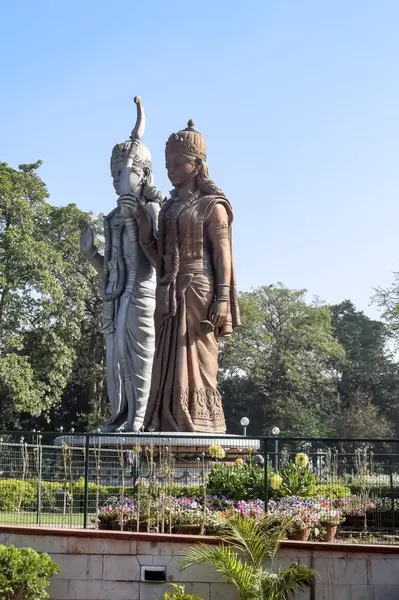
[190,453]
[179,442]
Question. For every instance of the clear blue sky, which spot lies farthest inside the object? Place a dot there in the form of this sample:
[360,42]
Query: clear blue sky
[298,100]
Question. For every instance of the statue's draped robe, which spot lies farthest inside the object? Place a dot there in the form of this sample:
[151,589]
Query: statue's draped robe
[127,321]
[184,395]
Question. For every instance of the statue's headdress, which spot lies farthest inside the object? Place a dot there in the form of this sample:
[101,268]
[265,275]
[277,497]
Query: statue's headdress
[187,141]
[134,148]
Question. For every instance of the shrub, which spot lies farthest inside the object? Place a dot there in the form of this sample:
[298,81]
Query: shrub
[15,493]
[115,490]
[25,574]
[237,482]
[179,593]
[331,491]
[50,491]
[78,489]
[297,479]
[189,491]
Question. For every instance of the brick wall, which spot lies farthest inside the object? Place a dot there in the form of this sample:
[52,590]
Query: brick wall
[106,566]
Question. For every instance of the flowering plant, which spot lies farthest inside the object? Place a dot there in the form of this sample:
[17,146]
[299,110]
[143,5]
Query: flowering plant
[107,513]
[386,504]
[331,516]
[216,451]
[275,482]
[303,513]
[302,460]
[297,478]
[358,506]
[168,512]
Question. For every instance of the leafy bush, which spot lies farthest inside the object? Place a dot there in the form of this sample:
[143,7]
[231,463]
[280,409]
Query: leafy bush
[297,480]
[115,490]
[237,482]
[332,490]
[50,495]
[382,490]
[15,493]
[25,574]
[187,491]
[78,490]
[179,594]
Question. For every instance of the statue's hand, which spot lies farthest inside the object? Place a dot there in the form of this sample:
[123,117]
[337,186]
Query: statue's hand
[218,313]
[131,208]
[144,221]
[87,246]
[128,206]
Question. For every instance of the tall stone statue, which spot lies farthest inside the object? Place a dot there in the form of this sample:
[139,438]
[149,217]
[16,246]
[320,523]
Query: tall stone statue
[129,282]
[196,299]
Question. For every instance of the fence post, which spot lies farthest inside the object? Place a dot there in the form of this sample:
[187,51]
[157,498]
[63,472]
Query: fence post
[39,478]
[266,474]
[86,487]
[392,492]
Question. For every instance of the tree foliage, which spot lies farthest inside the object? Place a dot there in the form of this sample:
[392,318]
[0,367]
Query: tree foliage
[280,367]
[45,290]
[310,369]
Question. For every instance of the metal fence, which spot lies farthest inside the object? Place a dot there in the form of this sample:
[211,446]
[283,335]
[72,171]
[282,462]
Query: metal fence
[86,480]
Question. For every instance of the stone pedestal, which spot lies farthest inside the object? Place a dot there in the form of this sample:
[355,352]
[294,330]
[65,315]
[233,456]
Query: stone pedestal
[175,458]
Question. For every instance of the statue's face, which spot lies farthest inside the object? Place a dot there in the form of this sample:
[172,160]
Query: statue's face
[181,169]
[127,179]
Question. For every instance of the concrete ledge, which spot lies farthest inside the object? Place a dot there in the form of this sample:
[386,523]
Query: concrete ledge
[192,539]
[108,535]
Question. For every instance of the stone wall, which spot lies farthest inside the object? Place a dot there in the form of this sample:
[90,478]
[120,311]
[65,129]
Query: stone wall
[107,566]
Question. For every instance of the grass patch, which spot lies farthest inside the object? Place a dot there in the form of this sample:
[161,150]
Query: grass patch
[46,519]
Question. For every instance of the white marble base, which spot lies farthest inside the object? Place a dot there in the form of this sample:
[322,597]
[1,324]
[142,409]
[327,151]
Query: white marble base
[194,441]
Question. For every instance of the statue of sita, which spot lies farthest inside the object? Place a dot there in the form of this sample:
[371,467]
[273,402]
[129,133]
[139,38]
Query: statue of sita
[196,297]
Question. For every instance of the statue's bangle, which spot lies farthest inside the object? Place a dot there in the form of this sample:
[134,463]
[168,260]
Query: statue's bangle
[92,255]
[222,292]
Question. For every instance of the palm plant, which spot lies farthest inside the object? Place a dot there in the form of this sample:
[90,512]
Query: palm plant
[245,544]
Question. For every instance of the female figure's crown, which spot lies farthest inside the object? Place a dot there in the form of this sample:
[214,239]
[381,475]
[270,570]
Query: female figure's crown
[187,141]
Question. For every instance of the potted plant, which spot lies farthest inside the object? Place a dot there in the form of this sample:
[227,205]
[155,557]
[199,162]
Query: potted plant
[302,523]
[358,511]
[190,522]
[301,513]
[330,518]
[107,517]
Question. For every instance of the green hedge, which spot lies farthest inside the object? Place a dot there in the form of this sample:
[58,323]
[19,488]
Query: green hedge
[332,490]
[25,574]
[15,493]
[234,482]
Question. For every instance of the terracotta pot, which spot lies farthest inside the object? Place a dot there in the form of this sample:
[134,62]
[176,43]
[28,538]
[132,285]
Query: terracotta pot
[190,529]
[132,526]
[301,535]
[331,531]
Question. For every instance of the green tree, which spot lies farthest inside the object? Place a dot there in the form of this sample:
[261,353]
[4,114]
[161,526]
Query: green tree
[44,290]
[387,299]
[369,375]
[280,368]
[361,418]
